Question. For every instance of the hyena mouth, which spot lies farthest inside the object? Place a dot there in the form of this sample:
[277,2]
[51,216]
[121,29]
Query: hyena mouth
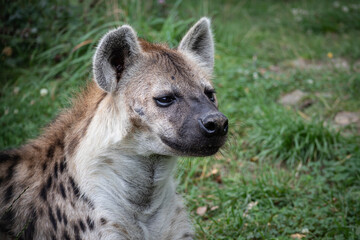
[194,149]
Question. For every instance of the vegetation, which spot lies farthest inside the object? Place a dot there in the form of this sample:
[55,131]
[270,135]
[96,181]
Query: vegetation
[286,171]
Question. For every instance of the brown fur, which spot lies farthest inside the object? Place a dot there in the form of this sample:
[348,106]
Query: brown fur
[40,169]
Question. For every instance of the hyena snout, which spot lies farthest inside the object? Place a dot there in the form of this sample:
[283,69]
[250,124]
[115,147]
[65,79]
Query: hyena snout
[214,124]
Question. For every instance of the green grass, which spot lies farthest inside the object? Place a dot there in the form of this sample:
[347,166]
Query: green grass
[299,171]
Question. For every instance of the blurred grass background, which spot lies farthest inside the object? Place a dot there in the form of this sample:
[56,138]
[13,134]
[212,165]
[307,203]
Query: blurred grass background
[288,171]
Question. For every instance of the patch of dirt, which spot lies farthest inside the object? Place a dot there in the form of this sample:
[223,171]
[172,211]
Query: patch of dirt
[293,98]
[305,64]
[347,118]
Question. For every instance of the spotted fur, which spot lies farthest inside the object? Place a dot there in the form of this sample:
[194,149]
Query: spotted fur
[103,168]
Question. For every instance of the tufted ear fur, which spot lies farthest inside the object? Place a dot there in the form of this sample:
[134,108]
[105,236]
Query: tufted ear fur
[116,51]
[199,42]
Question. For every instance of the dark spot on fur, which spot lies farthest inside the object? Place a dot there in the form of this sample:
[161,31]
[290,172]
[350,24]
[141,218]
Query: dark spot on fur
[58,214]
[56,170]
[88,202]
[82,226]
[4,157]
[53,237]
[120,228]
[41,212]
[30,229]
[73,144]
[186,235]
[62,190]
[52,219]
[31,167]
[172,78]
[65,219]
[90,223]
[9,173]
[44,166]
[48,182]
[6,221]
[103,221]
[62,165]
[76,231]
[74,187]
[66,235]
[60,144]
[139,111]
[9,193]
[84,129]
[43,192]
[50,152]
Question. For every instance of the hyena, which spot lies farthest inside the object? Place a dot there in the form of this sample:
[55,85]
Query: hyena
[103,169]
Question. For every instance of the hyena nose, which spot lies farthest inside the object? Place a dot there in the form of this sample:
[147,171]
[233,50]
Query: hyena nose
[214,125]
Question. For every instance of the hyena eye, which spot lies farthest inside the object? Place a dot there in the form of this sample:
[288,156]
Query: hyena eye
[210,95]
[165,101]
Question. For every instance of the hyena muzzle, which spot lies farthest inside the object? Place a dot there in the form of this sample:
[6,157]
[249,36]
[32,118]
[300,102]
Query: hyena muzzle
[103,168]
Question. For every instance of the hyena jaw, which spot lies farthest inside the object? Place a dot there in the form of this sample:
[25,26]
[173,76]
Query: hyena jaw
[104,168]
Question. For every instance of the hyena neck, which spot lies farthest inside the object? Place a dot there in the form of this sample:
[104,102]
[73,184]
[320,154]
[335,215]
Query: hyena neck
[120,181]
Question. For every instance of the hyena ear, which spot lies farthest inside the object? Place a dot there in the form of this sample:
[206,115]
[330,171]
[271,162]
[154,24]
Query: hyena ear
[199,41]
[117,50]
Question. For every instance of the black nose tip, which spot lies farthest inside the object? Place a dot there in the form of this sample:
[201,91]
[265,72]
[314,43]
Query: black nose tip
[214,125]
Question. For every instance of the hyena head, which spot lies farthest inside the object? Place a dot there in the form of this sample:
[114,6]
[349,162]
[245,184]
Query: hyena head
[167,94]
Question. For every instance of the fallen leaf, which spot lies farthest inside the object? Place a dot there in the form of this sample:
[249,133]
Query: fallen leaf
[297,236]
[7,51]
[201,210]
[214,208]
